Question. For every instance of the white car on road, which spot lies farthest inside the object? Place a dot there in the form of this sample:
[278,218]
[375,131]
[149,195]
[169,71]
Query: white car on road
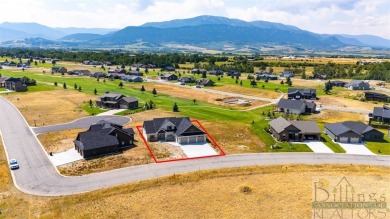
[13,164]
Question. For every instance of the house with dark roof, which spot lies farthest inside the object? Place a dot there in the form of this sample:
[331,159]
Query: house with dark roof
[308,94]
[135,73]
[168,68]
[198,71]
[338,83]
[117,101]
[233,73]
[284,130]
[99,74]
[59,69]
[117,70]
[187,79]
[168,77]
[292,106]
[15,84]
[103,138]
[215,72]
[352,132]
[180,130]
[80,72]
[2,81]
[286,74]
[205,82]
[133,79]
[381,114]
[374,96]
[357,85]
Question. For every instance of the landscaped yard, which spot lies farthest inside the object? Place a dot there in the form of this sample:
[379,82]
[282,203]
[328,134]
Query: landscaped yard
[380,148]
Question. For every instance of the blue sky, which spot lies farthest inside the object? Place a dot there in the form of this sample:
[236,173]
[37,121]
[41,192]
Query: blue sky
[320,16]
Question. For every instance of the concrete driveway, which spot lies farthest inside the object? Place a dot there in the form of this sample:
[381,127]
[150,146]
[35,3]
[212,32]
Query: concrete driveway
[196,149]
[356,148]
[318,147]
[66,157]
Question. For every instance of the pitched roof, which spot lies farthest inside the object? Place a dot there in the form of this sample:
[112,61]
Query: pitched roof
[130,99]
[303,91]
[343,127]
[91,140]
[382,111]
[2,79]
[291,104]
[182,124]
[279,124]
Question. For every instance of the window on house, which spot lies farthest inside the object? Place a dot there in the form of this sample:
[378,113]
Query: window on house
[169,127]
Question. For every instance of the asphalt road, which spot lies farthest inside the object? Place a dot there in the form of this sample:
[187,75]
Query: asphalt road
[38,176]
[82,123]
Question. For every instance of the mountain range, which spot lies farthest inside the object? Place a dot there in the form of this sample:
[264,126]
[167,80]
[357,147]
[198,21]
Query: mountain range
[198,33]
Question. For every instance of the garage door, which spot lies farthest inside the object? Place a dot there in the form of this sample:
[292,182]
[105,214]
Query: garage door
[354,140]
[201,138]
[192,139]
[343,139]
[123,106]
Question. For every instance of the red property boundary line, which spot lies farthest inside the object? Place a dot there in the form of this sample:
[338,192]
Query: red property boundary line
[222,153]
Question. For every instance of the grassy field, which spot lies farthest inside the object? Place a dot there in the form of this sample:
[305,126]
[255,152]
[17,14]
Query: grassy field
[381,148]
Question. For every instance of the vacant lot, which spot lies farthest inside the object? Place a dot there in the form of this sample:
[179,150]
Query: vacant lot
[248,91]
[331,116]
[50,107]
[59,141]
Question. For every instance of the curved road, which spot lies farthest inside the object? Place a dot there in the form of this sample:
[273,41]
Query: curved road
[39,177]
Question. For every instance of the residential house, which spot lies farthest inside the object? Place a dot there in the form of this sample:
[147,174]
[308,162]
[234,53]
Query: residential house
[23,65]
[215,72]
[99,74]
[284,130]
[381,114]
[79,72]
[187,79]
[352,132]
[357,85]
[233,73]
[319,76]
[103,138]
[168,68]
[180,130]
[286,74]
[168,77]
[59,69]
[133,79]
[117,70]
[262,72]
[308,94]
[338,83]
[198,71]
[135,73]
[117,101]
[374,96]
[2,81]
[116,75]
[15,84]
[107,63]
[292,106]
[205,82]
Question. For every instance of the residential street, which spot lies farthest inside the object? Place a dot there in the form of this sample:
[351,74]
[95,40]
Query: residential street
[38,176]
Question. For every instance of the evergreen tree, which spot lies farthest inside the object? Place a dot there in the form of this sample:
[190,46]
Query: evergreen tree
[175,107]
[142,89]
[241,83]
[253,83]
[55,84]
[79,89]
[204,75]
[75,86]
[121,84]
[90,103]
[282,82]
[154,92]
[64,85]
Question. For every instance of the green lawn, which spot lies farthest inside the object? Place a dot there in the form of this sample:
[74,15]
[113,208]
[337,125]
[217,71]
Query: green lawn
[381,148]
[92,110]
[202,111]
[333,146]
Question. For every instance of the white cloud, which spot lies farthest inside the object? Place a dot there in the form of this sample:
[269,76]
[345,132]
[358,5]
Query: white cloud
[321,16]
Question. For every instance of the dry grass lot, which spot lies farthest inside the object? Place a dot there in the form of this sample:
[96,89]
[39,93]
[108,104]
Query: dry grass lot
[332,116]
[187,93]
[275,192]
[50,107]
[59,141]
[248,91]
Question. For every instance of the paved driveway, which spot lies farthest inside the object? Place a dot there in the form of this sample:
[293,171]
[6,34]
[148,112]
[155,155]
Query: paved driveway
[356,148]
[62,158]
[318,147]
[196,149]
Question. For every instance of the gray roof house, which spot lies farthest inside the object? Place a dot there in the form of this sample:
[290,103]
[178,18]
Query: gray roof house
[117,101]
[357,85]
[352,132]
[381,114]
[2,81]
[187,79]
[284,130]
[295,93]
[168,77]
[180,130]
[59,69]
[15,84]
[291,106]
[205,82]
[103,138]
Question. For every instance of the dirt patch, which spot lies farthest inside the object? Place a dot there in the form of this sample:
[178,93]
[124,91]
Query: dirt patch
[165,151]
[248,91]
[59,141]
[346,102]
[332,116]
[50,107]
[234,138]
